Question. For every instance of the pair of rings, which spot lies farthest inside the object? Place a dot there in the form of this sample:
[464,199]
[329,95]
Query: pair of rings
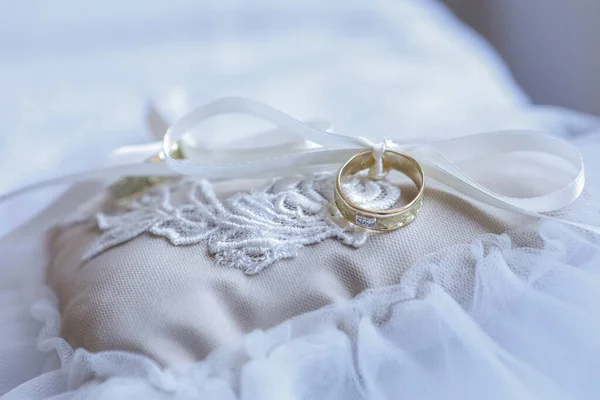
[387,220]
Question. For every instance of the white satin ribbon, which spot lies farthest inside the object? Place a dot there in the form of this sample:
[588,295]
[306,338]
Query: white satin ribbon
[315,146]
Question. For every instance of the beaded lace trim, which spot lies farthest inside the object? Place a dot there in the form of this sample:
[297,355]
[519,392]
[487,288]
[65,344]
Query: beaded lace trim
[251,230]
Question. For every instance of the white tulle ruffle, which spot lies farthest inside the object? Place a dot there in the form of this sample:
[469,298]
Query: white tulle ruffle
[492,319]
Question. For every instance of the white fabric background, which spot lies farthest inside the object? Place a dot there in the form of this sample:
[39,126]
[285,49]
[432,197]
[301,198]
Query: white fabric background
[75,80]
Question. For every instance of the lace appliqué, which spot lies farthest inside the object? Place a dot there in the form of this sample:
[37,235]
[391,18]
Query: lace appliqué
[248,231]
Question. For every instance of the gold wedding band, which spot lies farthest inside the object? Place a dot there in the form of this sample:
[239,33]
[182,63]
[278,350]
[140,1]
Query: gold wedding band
[131,186]
[387,220]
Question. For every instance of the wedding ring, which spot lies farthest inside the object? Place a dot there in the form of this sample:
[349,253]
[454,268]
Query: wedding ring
[380,220]
[131,186]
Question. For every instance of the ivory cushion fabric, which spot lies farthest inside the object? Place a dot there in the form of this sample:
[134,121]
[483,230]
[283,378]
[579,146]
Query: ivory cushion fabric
[175,304]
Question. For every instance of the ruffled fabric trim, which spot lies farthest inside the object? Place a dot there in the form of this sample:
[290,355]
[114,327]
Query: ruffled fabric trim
[491,319]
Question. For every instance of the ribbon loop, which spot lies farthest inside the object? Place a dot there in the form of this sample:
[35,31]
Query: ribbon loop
[314,147]
[271,158]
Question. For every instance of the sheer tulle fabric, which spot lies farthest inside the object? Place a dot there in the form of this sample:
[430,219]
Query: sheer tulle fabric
[507,316]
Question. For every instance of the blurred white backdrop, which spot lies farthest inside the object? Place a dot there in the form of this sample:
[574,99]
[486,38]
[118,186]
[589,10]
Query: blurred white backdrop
[75,77]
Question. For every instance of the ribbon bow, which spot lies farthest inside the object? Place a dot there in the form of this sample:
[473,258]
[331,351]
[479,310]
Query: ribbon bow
[320,147]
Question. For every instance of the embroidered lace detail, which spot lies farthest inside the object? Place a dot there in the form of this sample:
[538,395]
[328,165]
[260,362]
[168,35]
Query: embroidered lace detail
[248,231]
